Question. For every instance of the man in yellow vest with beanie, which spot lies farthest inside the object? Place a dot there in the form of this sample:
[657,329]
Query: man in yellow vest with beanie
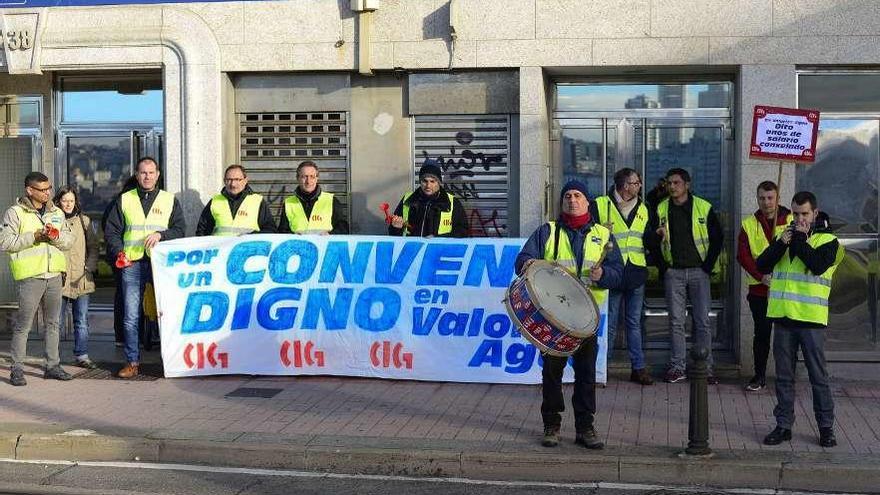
[311,210]
[34,235]
[137,221]
[577,242]
[687,233]
[237,209]
[802,262]
[430,210]
[757,232]
[624,214]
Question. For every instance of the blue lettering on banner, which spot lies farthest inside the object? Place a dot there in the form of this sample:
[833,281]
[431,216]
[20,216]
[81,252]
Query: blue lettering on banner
[390,303]
[285,316]
[216,302]
[336,259]
[519,358]
[435,261]
[500,273]
[239,255]
[388,273]
[279,261]
[334,313]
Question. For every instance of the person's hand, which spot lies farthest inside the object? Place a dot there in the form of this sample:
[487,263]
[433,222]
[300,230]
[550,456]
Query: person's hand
[786,236]
[40,236]
[766,279]
[152,239]
[397,221]
[661,232]
[596,273]
[802,226]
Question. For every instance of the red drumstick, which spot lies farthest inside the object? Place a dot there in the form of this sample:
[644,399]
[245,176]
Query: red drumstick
[385,207]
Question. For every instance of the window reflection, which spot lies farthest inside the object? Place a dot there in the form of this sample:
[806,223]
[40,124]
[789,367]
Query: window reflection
[583,159]
[98,167]
[589,97]
[844,176]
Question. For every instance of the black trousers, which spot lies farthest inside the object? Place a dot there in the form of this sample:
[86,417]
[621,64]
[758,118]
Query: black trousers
[584,399]
[763,329]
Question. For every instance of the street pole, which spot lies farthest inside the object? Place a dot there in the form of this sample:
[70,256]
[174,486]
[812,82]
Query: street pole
[698,424]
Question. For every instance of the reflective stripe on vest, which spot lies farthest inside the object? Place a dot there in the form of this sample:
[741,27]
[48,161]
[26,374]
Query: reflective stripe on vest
[758,241]
[445,226]
[629,238]
[318,223]
[795,293]
[594,245]
[42,257]
[699,227]
[246,218]
[138,226]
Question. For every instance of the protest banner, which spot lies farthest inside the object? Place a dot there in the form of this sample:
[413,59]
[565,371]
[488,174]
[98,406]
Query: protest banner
[369,306]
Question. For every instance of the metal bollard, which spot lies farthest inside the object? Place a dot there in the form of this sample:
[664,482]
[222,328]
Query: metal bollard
[698,423]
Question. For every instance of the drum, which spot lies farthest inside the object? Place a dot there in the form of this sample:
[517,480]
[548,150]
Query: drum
[552,309]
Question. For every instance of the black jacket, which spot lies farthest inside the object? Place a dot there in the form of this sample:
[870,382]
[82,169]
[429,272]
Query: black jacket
[818,260]
[424,215]
[115,226]
[337,220]
[633,275]
[716,237]
[265,220]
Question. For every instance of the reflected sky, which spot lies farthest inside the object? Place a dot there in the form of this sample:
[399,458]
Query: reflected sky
[634,96]
[112,106]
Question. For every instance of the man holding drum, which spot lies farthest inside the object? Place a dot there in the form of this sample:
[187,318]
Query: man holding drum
[578,243]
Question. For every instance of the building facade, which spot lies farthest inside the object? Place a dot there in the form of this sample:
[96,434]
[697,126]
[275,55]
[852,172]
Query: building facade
[513,98]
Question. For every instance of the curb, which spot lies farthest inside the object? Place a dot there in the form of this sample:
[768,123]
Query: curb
[726,469]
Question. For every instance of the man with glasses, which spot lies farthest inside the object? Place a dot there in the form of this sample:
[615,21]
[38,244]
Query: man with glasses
[237,209]
[138,220]
[311,210]
[624,214]
[687,233]
[34,234]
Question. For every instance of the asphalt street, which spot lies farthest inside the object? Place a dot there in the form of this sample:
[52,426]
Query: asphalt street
[92,478]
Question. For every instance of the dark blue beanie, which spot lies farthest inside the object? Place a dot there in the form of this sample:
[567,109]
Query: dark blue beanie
[577,186]
[429,167]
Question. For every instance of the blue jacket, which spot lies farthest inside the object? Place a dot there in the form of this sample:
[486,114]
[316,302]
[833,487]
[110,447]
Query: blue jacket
[612,266]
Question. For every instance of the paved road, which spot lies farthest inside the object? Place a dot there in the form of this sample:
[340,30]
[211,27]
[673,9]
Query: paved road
[35,478]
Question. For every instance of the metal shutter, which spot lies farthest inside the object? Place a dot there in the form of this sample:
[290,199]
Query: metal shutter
[473,152]
[273,144]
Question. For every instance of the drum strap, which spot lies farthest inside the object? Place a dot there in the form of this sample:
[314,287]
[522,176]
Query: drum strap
[556,242]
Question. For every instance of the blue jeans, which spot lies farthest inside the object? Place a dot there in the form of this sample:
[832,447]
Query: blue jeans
[632,300]
[811,341]
[681,284]
[80,307]
[133,280]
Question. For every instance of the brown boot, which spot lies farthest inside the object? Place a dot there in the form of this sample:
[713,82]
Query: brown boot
[641,376]
[130,371]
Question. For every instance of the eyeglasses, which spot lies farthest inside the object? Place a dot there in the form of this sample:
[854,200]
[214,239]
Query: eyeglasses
[42,190]
[234,179]
[636,183]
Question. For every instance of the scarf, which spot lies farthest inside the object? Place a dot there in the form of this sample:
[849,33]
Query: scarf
[575,222]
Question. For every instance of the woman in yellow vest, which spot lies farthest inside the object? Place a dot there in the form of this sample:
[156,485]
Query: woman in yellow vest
[34,235]
[430,210]
[575,241]
[802,262]
[311,210]
[237,209]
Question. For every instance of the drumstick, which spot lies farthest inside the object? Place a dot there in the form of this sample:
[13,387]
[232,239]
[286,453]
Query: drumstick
[385,207]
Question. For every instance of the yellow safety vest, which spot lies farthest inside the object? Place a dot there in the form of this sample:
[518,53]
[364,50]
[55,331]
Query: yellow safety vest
[758,241]
[42,257]
[138,226]
[629,238]
[247,218]
[594,245]
[699,227]
[796,293]
[320,221]
[445,216]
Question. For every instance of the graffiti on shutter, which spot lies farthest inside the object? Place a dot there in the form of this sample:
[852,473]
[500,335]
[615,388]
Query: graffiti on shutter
[472,151]
[273,144]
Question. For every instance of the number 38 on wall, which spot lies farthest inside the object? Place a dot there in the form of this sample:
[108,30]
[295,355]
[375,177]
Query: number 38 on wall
[18,40]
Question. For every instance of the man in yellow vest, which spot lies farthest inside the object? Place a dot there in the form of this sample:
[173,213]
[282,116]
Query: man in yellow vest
[577,242]
[802,262]
[623,212]
[757,232]
[137,221]
[430,210]
[311,210]
[237,210]
[687,233]
[34,234]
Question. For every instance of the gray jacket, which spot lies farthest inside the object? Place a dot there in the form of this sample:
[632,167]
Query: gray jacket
[11,241]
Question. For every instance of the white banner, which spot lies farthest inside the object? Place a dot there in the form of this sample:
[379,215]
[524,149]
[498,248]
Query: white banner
[387,307]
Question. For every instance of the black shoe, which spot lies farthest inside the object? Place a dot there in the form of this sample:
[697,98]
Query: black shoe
[588,439]
[87,364]
[57,373]
[551,436]
[777,436]
[826,437]
[16,377]
[756,383]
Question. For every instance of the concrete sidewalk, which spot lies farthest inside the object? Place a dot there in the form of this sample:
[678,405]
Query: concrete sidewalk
[431,429]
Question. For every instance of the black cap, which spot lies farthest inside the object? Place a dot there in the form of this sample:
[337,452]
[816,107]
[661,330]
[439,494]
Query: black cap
[429,167]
